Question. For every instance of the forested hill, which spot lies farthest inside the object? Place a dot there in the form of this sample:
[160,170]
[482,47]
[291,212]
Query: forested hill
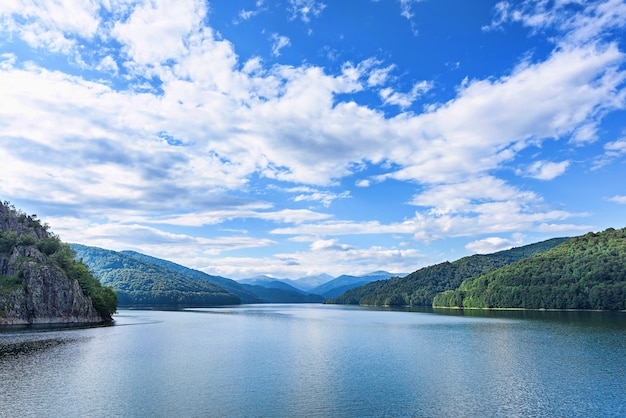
[587,272]
[230,285]
[140,283]
[420,287]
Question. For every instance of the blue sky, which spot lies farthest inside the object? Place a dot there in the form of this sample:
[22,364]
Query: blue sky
[300,137]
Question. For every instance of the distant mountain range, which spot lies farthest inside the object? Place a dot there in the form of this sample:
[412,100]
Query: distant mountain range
[327,286]
[142,280]
[586,272]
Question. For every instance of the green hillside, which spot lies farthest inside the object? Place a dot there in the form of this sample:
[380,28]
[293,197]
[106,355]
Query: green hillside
[229,285]
[140,283]
[420,287]
[587,272]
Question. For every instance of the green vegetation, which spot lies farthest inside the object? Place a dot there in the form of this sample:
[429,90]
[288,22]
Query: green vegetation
[587,272]
[229,285]
[420,287]
[104,298]
[9,284]
[28,231]
[141,283]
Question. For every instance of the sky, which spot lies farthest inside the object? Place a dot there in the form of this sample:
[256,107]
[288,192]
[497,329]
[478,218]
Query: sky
[300,137]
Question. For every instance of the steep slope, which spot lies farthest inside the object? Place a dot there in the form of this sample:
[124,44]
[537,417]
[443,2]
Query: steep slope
[140,283]
[420,287]
[245,295]
[40,283]
[587,272]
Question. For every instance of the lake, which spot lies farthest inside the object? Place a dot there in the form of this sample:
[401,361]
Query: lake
[322,361]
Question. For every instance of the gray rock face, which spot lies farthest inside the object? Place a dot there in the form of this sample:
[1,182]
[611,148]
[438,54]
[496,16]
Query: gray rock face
[33,291]
[46,296]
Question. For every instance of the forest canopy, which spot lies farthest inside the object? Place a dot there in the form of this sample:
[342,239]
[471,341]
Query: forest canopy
[420,287]
[586,272]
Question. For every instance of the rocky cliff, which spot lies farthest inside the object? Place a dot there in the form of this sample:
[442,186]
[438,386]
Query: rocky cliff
[34,287]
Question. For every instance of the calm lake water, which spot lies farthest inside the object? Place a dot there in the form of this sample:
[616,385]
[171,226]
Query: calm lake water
[319,360]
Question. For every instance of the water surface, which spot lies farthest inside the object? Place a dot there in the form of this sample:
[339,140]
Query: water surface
[319,360]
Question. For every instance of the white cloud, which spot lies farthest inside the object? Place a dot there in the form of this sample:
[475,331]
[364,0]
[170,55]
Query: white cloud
[562,228]
[468,196]
[406,11]
[156,30]
[148,239]
[328,244]
[306,9]
[379,76]
[586,133]
[279,42]
[466,219]
[215,123]
[620,199]
[612,151]
[493,244]
[491,120]
[314,195]
[331,257]
[292,216]
[330,228]
[545,170]
[579,22]
[616,148]
[108,64]
[404,100]
[249,14]
[7,61]
[52,24]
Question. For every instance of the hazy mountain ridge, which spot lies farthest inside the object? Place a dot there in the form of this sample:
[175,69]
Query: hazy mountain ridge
[332,287]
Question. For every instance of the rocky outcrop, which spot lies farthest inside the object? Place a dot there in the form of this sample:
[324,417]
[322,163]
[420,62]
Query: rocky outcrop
[32,289]
[46,295]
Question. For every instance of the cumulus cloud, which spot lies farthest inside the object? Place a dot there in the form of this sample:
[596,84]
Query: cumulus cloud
[169,21]
[52,25]
[186,111]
